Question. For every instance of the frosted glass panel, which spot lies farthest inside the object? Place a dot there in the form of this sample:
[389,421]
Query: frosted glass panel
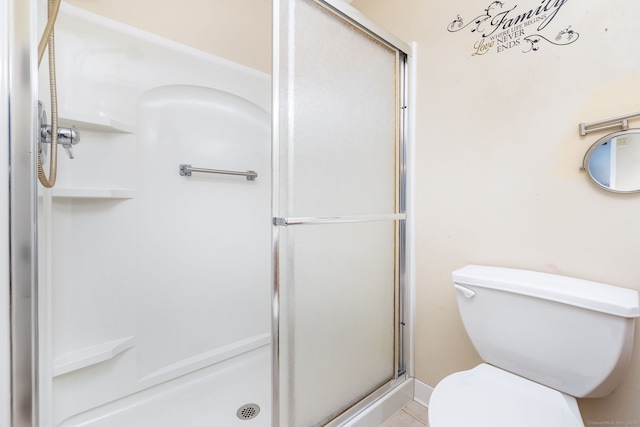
[339,112]
[338,308]
[337,153]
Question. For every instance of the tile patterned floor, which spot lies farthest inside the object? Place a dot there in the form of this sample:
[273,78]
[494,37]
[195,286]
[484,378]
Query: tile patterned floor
[412,415]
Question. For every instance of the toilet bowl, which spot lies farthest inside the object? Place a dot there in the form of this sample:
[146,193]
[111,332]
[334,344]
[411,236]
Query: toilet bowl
[546,339]
[487,393]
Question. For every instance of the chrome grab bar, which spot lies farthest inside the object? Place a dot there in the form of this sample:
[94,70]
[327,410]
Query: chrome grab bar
[185,170]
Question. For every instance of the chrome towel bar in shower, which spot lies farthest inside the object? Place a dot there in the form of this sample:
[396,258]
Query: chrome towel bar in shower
[185,170]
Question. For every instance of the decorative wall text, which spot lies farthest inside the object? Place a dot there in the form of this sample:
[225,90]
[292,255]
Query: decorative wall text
[501,28]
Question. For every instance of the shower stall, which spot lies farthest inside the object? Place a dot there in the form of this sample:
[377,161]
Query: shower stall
[225,247]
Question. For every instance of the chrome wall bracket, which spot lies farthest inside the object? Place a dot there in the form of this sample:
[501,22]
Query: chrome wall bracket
[616,123]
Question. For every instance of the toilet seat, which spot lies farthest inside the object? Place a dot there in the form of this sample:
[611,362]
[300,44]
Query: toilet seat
[486,396]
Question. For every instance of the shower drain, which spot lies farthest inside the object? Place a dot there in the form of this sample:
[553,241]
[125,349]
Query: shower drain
[248,411]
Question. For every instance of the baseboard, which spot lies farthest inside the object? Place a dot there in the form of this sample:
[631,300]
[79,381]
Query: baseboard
[422,392]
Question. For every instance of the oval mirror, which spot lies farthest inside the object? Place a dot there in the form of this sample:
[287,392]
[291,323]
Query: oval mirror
[613,162]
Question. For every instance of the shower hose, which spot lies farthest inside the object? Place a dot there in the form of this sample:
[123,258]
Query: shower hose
[49,39]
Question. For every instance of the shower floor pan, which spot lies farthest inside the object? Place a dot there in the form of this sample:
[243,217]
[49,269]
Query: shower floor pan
[210,400]
[235,394]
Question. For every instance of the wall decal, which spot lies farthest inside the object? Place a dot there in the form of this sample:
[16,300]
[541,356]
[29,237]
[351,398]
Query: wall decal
[502,28]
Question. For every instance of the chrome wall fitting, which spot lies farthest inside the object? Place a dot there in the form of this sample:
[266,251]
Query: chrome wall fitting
[67,137]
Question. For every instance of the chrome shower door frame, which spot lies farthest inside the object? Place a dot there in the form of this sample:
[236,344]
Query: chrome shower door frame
[404,310]
[18,296]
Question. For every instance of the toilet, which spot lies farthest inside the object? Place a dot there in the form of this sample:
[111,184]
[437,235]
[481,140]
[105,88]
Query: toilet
[545,340]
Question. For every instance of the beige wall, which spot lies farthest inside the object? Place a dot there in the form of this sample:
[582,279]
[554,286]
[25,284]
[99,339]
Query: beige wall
[497,164]
[497,149]
[238,30]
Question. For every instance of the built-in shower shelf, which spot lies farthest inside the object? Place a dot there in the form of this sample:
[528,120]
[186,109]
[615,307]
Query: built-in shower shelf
[93,122]
[89,356]
[92,193]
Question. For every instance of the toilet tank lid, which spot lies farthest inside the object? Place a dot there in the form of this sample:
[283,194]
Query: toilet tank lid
[595,296]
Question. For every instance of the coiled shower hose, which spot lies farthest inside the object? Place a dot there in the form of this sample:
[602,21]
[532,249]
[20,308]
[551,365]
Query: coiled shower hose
[48,38]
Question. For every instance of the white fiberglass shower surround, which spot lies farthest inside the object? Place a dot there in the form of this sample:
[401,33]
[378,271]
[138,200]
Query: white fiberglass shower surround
[227,247]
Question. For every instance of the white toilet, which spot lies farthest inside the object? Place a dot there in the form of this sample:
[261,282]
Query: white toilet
[547,339]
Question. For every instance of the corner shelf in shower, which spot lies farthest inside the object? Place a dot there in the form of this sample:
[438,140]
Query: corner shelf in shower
[94,122]
[92,193]
[89,356]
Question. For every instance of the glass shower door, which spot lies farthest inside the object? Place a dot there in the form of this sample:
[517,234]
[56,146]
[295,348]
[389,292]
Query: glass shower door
[338,211]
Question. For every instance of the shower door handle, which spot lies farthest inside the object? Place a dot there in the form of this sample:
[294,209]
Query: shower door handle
[284,221]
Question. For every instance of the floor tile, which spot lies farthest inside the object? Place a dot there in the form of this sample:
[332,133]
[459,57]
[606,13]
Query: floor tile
[416,410]
[402,419]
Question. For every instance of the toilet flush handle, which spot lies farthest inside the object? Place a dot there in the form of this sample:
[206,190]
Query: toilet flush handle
[468,293]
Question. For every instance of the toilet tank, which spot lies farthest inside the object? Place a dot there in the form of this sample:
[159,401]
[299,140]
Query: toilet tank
[575,336]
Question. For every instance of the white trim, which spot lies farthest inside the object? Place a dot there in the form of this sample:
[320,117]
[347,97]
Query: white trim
[422,393]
